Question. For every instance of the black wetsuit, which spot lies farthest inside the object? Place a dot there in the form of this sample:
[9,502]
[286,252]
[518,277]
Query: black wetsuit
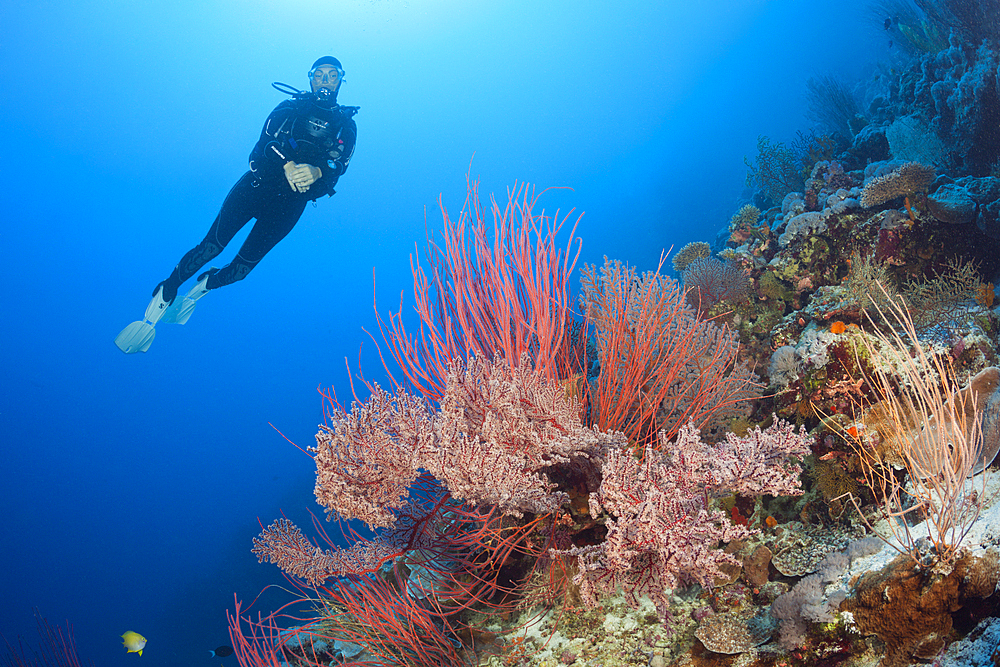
[305,130]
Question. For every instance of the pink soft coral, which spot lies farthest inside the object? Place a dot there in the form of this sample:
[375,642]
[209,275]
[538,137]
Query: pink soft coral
[664,534]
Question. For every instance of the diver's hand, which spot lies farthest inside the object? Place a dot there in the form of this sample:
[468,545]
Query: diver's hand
[301,176]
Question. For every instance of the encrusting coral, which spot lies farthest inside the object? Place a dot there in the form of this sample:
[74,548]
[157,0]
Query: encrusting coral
[911,610]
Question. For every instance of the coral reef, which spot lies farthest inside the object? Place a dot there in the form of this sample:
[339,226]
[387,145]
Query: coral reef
[619,489]
[943,107]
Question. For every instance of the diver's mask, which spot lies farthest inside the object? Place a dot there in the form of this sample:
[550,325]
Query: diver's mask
[325,81]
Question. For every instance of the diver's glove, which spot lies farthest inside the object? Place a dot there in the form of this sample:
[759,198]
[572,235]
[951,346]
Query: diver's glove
[301,176]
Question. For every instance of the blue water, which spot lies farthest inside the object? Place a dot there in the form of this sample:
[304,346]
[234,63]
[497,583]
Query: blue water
[131,486]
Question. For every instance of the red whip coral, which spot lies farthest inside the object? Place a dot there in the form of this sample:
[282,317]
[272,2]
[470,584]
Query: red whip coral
[502,294]
[57,647]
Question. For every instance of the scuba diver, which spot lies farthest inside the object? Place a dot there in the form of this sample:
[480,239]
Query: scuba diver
[304,148]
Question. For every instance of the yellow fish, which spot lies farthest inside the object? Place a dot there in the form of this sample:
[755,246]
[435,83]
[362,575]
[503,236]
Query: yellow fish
[134,642]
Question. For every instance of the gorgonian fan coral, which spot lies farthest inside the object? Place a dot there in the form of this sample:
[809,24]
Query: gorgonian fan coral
[660,365]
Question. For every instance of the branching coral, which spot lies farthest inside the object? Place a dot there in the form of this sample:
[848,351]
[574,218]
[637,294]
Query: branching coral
[447,557]
[448,491]
[664,533]
[467,479]
[497,430]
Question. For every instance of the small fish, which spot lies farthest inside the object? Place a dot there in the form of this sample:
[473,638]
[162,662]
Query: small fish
[134,642]
[890,43]
[888,23]
[222,651]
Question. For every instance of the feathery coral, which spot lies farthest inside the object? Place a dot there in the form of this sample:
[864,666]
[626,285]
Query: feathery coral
[497,430]
[944,297]
[747,216]
[869,283]
[905,180]
[710,281]
[689,253]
